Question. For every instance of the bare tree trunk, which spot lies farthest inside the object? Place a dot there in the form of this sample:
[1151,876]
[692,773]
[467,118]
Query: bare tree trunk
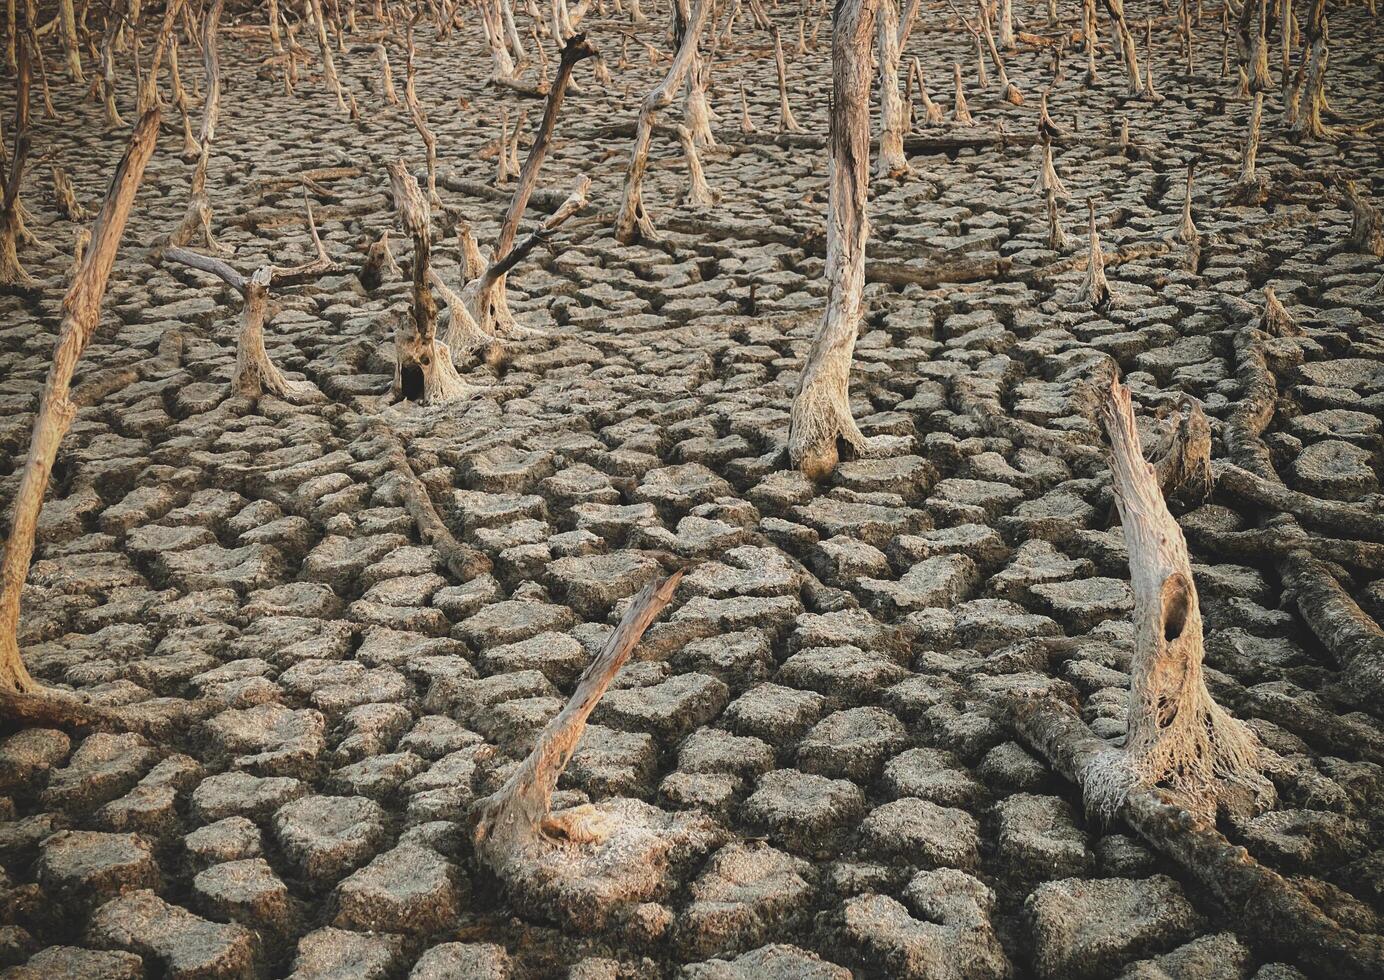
[633,219]
[1125,40]
[1177,737]
[107,81]
[11,219]
[81,314]
[423,369]
[198,216]
[485,298]
[148,90]
[68,19]
[787,124]
[821,414]
[519,816]
[892,120]
[190,150]
[1094,289]
[325,48]
[1311,97]
[254,371]
[66,197]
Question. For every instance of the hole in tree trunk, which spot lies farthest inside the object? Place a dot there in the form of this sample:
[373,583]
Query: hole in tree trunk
[411,381]
[1176,600]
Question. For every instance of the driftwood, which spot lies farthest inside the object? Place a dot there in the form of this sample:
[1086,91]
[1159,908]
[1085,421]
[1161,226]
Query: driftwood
[820,425]
[81,314]
[463,561]
[1268,909]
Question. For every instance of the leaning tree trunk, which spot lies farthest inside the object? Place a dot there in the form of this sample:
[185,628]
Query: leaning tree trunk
[198,215]
[821,416]
[518,818]
[633,220]
[1115,8]
[1177,737]
[81,313]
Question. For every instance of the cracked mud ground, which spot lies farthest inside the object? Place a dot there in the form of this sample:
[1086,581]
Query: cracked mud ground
[828,684]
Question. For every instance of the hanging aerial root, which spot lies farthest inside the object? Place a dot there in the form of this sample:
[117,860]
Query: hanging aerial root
[1178,739]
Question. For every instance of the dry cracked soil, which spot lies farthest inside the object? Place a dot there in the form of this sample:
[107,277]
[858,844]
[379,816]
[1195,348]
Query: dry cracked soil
[827,688]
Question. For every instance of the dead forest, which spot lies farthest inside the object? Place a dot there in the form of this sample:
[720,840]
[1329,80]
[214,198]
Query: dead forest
[692,489]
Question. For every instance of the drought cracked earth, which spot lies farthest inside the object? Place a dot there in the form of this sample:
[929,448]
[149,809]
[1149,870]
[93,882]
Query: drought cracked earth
[817,724]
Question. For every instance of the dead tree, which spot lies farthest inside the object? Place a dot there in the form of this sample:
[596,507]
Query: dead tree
[325,48]
[821,420]
[420,119]
[1094,289]
[932,112]
[1366,224]
[148,91]
[1309,98]
[1047,180]
[516,832]
[81,314]
[11,217]
[961,112]
[483,317]
[198,216]
[190,149]
[254,371]
[1125,40]
[787,124]
[633,220]
[1057,238]
[65,196]
[1177,737]
[423,369]
[1182,460]
[1187,232]
[893,122]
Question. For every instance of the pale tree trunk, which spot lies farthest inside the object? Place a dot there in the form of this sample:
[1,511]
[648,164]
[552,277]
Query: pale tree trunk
[518,818]
[423,370]
[1311,97]
[149,90]
[1177,737]
[1006,25]
[107,81]
[485,303]
[68,20]
[324,47]
[12,273]
[787,124]
[821,414]
[633,219]
[892,119]
[81,314]
[1094,289]
[190,150]
[255,373]
[198,215]
[1125,40]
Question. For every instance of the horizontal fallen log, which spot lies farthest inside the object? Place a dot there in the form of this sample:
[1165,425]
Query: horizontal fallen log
[1259,543]
[1354,640]
[1263,906]
[1343,520]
